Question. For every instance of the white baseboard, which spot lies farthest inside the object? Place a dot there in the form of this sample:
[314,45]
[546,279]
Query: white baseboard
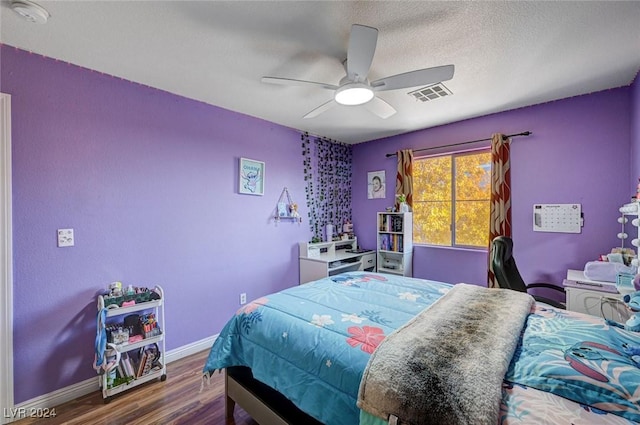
[66,394]
[189,349]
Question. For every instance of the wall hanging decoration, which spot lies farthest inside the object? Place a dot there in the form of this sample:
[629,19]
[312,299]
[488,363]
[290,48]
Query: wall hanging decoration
[251,177]
[286,208]
[327,174]
[375,185]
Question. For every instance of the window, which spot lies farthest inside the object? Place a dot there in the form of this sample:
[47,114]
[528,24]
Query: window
[452,186]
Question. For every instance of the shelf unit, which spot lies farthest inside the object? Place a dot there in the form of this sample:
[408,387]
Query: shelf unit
[322,259]
[115,314]
[395,243]
[286,209]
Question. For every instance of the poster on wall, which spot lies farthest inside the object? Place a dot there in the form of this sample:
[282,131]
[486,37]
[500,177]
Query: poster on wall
[375,186]
[251,177]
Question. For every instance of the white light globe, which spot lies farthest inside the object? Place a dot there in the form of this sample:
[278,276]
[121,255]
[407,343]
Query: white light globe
[353,94]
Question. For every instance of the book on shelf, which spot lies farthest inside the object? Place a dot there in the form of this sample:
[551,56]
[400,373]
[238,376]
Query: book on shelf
[151,357]
[384,242]
[126,365]
[144,358]
[389,242]
[391,223]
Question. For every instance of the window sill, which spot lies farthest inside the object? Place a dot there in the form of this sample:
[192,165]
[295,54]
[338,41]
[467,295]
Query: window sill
[453,248]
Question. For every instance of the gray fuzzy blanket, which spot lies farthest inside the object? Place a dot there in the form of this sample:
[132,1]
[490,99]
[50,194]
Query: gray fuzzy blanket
[447,364]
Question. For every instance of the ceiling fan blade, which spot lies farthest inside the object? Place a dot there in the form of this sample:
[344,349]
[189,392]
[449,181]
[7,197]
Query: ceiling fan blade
[362,46]
[380,107]
[420,77]
[291,82]
[320,109]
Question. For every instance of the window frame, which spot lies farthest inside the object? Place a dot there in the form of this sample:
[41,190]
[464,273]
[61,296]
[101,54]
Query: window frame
[452,227]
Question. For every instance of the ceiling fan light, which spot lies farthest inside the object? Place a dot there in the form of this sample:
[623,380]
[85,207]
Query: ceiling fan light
[353,94]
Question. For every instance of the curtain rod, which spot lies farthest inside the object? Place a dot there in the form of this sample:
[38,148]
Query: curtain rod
[524,133]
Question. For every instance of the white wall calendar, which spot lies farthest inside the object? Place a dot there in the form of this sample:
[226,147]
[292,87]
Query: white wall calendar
[558,218]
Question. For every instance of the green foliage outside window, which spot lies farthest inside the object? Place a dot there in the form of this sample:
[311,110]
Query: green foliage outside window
[448,186]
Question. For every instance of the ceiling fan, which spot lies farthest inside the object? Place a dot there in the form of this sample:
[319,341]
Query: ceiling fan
[355,89]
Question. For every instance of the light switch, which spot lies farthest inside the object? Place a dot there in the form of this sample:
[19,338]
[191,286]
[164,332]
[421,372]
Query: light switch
[65,238]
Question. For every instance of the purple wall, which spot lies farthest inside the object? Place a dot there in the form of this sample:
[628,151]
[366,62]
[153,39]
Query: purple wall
[578,153]
[148,180]
[635,133]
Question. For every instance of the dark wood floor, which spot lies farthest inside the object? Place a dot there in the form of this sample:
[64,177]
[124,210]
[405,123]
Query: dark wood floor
[177,400]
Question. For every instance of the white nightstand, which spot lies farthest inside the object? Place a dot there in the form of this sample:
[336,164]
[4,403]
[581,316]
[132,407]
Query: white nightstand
[594,297]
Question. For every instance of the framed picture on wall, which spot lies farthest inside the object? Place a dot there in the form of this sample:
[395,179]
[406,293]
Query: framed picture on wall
[375,184]
[283,209]
[251,177]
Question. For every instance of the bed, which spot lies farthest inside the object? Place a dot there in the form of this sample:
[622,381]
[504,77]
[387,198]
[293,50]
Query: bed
[341,350]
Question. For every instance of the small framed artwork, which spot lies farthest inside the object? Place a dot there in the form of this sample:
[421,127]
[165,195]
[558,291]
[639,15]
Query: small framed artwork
[251,177]
[375,184]
[283,209]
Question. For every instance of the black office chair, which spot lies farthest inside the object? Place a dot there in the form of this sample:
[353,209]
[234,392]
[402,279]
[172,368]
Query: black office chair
[507,275]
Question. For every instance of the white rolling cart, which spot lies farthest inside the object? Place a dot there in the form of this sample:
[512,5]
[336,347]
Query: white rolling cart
[141,360]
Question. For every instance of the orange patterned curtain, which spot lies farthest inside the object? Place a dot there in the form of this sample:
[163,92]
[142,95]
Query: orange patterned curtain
[500,210]
[404,178]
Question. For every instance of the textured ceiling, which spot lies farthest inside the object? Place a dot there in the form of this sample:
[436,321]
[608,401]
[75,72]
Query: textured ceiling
[506,54]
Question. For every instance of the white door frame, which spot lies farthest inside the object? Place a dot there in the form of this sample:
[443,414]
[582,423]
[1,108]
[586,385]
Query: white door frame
[6,257]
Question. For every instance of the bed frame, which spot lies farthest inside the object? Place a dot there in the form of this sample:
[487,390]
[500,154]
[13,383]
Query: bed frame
[264,404]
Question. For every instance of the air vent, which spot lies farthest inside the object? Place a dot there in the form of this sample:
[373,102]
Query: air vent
[432,92]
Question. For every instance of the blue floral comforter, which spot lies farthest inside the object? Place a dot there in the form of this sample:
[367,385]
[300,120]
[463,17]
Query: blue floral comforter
[312,343]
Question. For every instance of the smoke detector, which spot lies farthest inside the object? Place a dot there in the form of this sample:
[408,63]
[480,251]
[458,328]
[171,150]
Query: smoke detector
[30,11]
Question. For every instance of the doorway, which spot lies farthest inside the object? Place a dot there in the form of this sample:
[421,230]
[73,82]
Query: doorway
[6,261]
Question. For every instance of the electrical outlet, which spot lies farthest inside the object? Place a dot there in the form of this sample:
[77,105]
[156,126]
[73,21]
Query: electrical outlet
[243,298]
[65,238]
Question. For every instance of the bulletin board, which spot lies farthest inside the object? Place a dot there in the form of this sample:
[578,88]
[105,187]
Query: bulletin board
[558,218]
